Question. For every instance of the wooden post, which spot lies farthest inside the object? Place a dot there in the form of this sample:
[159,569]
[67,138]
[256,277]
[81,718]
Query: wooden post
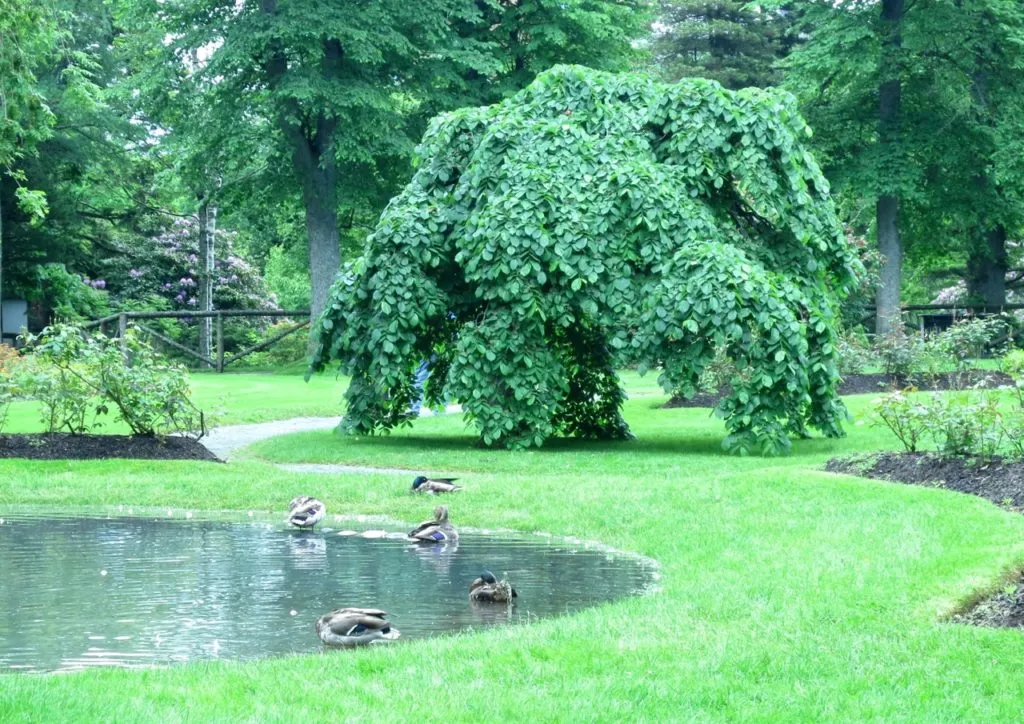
[220,342]
[122,327]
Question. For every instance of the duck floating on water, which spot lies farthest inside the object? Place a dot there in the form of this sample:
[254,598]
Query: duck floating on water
[423,484]
[437,530]
[355,627]
[305,512]
[485,588]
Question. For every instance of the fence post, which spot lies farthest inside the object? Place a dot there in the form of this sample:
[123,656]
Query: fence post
[122,327]
[220,342]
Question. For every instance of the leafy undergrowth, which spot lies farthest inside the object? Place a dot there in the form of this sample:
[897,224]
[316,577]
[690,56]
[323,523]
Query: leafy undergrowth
[786,593]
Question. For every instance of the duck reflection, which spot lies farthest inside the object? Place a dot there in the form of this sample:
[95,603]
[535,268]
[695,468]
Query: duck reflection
[492,615]
[438,557]
[309,552]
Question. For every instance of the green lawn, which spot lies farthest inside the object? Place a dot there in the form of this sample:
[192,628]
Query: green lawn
[787,594]
[233,398]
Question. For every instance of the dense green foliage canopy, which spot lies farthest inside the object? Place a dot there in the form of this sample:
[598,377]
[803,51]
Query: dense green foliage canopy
[591,219]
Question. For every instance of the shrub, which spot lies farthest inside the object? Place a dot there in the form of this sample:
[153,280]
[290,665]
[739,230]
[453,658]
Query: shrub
[1012,427]
[8,357]
[905,416]
[853,352]
[972,338]
[286,351]
[901,354]
[71,373]
[957,425]
[965,426]
[6,397]
[63,396]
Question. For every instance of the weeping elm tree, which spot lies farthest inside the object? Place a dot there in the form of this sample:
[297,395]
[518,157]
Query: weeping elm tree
[594,219]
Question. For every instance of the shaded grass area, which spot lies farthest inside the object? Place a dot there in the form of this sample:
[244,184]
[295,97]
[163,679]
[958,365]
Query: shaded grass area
[786,594]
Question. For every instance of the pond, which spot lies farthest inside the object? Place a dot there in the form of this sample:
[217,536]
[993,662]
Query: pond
[83,592]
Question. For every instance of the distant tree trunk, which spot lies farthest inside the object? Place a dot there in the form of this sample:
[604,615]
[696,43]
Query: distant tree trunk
[311,137]
[324,240]
[887,207]
[207,257]
[986,267]
[986,258]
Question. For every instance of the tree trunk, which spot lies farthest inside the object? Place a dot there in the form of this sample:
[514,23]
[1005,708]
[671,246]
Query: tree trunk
[887,300]
[887,313]
[207,250]
[322,229]
[986,267]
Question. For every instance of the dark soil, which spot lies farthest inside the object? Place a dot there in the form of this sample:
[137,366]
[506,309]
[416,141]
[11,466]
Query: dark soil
[62,446]
[1004,609]
[999,481]
[866,384]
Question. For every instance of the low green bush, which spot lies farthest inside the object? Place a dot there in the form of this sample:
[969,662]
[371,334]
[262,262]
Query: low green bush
[78,378]
[853,352]
[905,416]
[971,424]
[902,355]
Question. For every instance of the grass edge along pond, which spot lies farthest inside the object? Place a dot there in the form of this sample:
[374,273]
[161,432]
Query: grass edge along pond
[786,593]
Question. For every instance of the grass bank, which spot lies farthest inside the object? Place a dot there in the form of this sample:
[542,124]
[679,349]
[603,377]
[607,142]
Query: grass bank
[787,594]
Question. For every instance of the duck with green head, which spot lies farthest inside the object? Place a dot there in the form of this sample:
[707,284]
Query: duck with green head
[486,588]
[437,530]
[423,484]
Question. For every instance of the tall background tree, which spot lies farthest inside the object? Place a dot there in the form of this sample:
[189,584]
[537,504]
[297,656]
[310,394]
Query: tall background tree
[912,103]
[334,94]
[730,41]
[28,33]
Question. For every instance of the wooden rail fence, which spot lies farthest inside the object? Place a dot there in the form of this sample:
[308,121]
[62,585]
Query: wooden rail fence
[220,360]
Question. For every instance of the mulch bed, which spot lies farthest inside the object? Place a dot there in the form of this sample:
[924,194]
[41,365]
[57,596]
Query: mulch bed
[1001,482]
[866,384]
[61,446]
[1004,609]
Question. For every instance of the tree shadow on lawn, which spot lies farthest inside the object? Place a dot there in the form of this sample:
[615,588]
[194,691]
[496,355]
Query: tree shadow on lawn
[688,443]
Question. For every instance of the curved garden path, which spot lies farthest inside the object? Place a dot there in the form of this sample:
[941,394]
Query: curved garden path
[225,441]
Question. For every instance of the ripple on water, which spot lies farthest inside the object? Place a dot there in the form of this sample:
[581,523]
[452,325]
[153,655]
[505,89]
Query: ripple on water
[134,592]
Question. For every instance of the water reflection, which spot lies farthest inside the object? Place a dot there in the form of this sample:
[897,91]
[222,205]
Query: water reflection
[135,592]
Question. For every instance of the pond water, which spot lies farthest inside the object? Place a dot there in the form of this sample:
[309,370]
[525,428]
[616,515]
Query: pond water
[79,592]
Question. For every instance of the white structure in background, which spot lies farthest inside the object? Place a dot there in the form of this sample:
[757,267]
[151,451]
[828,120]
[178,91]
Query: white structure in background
[13,319]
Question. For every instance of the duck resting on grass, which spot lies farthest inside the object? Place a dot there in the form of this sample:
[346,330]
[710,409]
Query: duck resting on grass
[423,484]
[485,588]
[437,530]
[355,627]
[305,512]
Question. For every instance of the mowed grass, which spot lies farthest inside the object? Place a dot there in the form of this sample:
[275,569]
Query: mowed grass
[229,399]
[786,594]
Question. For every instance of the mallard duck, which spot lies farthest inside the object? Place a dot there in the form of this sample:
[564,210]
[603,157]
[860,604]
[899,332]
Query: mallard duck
[355,627]
[423,484]
[437,530]
[305,512]
[485,588]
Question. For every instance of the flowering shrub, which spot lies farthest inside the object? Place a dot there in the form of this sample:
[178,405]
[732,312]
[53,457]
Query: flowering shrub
[169,267]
